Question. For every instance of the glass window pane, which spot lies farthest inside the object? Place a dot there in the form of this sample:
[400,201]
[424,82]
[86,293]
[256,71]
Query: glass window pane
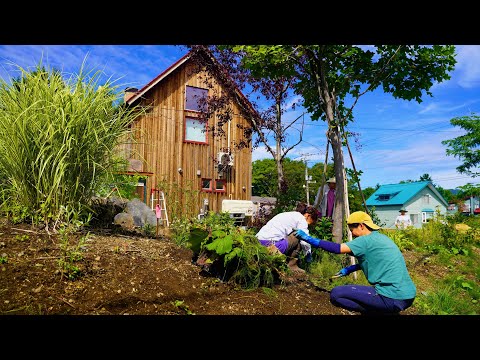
[206,184]
[195,98]
[219,185]
[195,130]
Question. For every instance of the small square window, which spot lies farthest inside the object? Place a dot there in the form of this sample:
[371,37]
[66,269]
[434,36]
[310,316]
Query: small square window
[206,184]
[220,185]
[195,98]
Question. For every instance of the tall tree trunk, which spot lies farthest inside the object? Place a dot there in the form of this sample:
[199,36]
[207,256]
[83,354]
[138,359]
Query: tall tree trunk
[327,98]
[339,212]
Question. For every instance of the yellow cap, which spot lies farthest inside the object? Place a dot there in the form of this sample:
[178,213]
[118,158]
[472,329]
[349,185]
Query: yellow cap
[360,217]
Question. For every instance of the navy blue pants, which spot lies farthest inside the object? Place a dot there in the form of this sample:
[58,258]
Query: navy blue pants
[366,300]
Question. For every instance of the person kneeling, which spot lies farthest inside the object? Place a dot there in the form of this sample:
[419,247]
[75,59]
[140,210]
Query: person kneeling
[381,261]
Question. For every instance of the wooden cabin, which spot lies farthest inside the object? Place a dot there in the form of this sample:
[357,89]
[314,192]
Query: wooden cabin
[172,148]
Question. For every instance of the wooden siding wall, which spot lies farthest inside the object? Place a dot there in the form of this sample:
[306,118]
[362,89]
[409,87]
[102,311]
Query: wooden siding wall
[160,135]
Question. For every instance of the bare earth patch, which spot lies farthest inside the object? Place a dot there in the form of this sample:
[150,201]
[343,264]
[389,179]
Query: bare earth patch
[128,274]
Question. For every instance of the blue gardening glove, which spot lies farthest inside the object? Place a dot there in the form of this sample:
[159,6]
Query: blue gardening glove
[302,235]
[347,270]
[342,272]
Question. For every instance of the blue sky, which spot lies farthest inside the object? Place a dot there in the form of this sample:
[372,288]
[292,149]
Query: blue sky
[398,140]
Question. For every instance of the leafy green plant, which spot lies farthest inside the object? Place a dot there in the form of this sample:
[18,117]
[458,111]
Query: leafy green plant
[269,292]
[323,229]
[149,230]
[24,237]
[70,255]
[234,254]
[462,283]
[400,238]
[326,265]
[180,304]
[3,259]
[180,230]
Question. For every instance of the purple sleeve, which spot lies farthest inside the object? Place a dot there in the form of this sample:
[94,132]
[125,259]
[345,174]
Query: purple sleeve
[352,268]
[329,246]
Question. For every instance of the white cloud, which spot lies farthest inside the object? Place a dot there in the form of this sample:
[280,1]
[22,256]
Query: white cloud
[438,108]
[260,153]
[295,100]
[467,72]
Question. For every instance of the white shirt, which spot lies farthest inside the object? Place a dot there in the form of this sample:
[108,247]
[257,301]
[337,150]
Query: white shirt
[278,228]
[402,221]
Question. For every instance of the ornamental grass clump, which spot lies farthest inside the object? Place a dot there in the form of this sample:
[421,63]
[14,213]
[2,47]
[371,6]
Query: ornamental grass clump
[57,138]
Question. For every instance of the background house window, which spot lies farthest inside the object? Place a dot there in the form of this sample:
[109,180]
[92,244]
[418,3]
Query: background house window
[427,216]
[386,197]
[195,130]
[426,199]
[195,98]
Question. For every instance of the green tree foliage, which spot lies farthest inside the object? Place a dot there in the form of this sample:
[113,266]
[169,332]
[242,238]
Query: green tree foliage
[332,78]
[264,182]
[295,177]
[57,138]
[447,194]
[425,177]
[466,147]
[469,190]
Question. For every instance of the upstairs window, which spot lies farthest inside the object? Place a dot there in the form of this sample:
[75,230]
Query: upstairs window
[195,98]
[386,197]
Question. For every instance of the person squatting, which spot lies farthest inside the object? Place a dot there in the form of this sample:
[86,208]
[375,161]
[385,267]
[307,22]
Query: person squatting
[392,289]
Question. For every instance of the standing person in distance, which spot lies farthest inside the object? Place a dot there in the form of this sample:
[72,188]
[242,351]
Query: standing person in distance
[278,232]
[391,291]
[328,201]
[403,220]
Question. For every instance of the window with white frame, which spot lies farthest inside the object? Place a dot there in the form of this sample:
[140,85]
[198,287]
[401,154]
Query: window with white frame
[427,216]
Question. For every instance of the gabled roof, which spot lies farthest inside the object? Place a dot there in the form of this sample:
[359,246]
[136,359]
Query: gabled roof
[171,69]
[157,79]
[400,194]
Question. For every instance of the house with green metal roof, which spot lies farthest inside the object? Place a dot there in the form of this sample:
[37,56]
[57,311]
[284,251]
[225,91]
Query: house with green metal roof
[419,198]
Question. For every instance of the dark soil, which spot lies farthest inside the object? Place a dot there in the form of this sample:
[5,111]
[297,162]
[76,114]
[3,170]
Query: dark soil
[120,274]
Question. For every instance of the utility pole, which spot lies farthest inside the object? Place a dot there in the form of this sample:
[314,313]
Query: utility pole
[308,178]
[306,183]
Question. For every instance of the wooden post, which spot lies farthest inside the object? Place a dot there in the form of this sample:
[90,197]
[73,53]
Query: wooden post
[347,214]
